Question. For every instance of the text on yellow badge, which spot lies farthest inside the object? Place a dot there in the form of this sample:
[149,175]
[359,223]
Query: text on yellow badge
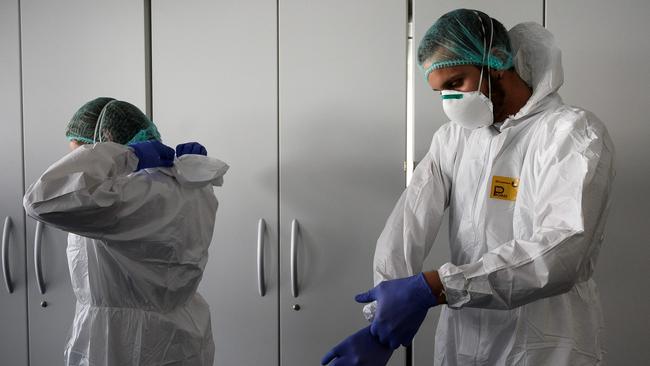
[504,188]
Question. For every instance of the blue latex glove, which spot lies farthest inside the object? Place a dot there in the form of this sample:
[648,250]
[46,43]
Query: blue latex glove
[152,154]
[359,349]
[191,148]
[402,305]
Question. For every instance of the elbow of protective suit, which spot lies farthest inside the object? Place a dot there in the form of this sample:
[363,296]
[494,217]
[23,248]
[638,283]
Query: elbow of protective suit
[31,204]
[30,210]
[513,300]
[59,210]
[38,211]
[553,273]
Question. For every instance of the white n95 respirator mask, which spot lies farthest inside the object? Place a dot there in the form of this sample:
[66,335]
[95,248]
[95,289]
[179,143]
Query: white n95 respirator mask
[470,110]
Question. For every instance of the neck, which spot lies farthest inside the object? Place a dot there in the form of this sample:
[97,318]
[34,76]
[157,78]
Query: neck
[516,94]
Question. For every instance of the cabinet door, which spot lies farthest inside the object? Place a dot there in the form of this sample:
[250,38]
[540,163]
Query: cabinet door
[428,117]
[73,51]
[606,57]
[13,297]
[215,81]
[342,147]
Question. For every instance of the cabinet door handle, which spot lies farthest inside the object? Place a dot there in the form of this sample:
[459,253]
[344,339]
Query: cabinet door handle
[37,257]
[261,282]
[294,258]
[5,255]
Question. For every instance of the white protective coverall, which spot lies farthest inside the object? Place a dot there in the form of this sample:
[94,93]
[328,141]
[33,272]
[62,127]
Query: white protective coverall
[137,248]
[524,244]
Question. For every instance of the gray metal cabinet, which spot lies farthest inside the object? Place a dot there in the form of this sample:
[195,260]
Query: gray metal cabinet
[13,284]
[342,148]
[215,81]
[606,58]
[428,117]
[328,153]
[73,51]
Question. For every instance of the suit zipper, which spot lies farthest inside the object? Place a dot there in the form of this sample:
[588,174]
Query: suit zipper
[479,187]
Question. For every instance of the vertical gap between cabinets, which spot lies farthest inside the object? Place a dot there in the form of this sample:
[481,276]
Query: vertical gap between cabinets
[410,108]
[410,123]
[147,59]
[277,106]
[22,158]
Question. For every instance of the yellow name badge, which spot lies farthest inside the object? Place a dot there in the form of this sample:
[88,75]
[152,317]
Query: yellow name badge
[504,188]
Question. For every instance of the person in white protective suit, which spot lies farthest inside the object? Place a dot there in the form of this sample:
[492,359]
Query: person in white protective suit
[140,223]
[526,180]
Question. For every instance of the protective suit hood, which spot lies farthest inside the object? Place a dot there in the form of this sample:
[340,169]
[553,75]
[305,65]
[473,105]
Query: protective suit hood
[538,61]
[197,170]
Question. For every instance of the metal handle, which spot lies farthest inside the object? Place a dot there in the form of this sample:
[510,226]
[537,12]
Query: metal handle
[294,258]
[37,257]
[261,283]
[5,255]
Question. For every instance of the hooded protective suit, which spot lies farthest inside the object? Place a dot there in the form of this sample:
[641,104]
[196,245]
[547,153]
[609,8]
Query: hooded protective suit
[527,206]
[137,248]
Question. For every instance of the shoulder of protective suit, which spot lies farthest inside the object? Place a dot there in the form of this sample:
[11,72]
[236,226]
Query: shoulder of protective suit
[442,151]
[448,130]
[447,137]
[569,129]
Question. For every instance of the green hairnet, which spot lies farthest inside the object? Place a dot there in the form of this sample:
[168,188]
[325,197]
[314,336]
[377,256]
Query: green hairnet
[124,123]
[82,125]
[457,38]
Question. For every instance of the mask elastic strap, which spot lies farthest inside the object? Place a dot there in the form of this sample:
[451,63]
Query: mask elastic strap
[485,59]
[488,59]
[480,80]
[98,126]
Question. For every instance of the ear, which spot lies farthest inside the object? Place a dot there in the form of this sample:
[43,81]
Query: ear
[497,74]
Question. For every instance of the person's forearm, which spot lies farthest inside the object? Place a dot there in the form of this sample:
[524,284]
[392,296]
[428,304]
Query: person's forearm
[435,284]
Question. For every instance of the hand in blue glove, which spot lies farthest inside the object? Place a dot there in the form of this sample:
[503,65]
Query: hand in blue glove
[152,154]
[191,148]
[359,349]
[402,305]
